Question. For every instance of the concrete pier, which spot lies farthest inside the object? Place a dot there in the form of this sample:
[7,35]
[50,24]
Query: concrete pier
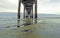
[28,9]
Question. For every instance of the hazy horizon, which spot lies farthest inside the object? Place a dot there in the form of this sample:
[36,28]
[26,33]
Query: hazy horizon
[33,13]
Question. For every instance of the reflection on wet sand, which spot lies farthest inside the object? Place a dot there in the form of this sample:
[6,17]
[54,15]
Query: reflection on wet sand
[47,29]
[27,30]
[27,34]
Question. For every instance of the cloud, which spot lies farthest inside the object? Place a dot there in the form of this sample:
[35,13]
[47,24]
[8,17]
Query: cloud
[7,5]
[55,1]
[44,6]
[48,7]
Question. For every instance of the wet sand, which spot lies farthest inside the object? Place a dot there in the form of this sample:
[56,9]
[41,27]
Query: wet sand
[45,29]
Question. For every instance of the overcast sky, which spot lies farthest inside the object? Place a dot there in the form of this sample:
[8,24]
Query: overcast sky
[44,6]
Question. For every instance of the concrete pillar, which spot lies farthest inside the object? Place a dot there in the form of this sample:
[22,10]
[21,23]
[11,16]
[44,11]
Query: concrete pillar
[28,10]
[19,5]
[35,9]
[24,12]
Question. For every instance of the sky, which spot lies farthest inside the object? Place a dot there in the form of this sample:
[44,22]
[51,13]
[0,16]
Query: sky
[44,6]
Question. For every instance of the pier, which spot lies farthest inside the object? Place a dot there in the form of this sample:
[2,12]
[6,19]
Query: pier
[28,11]
[29,26]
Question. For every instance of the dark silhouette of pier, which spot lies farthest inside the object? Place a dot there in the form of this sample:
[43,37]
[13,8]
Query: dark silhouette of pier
[28,11]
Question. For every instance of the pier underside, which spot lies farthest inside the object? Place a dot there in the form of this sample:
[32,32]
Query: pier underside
[28,11]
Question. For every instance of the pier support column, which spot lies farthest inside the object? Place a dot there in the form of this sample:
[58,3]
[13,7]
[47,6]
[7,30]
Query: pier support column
[28,10]
[35,11]
[24,13]
[19,7]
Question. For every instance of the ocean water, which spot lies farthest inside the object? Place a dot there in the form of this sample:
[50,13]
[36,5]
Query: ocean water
[48,26]
[10,19]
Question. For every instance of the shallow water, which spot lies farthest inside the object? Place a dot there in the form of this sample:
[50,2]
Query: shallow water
[45,28]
